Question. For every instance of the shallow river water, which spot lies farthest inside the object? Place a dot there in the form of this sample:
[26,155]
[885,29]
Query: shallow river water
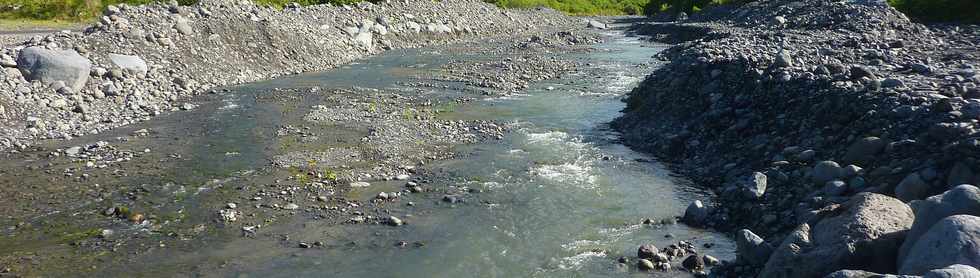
[558,197]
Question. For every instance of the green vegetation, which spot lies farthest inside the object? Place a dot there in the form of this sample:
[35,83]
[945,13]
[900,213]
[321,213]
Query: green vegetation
[62,9]
[84,10]
[687,6]
[580,7]
[42,13]
[940,10]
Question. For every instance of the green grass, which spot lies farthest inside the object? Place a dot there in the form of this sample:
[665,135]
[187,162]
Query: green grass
[580,7]
[18,14]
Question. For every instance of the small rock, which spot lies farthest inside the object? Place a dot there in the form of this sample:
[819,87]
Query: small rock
[395,221]
[647,251]
[693,263]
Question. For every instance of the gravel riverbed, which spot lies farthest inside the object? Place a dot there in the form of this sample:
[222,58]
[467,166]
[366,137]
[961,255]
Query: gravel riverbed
[836,135]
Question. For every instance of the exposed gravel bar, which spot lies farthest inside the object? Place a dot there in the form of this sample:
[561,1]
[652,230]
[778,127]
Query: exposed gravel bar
[141,61]
[818,124]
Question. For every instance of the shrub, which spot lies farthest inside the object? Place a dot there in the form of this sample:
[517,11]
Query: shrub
[967,11]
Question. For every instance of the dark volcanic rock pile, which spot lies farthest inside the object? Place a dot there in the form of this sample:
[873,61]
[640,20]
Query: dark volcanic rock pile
[798,112]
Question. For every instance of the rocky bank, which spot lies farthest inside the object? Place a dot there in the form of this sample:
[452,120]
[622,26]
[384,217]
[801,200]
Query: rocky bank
[837,135]
[142,61]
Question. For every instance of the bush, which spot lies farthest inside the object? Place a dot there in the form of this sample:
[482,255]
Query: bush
[966,11]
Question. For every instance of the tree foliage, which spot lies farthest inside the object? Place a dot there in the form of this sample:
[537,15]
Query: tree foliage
[940,10]
[580,7]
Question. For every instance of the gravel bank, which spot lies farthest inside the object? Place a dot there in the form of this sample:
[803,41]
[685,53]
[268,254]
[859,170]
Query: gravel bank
[138,62]
[798,112]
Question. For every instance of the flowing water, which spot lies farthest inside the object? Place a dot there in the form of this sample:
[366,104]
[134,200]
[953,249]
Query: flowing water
[560,196]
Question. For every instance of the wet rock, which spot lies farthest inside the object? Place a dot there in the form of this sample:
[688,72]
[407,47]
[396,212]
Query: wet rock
[646,265]
[50,66]
[228,215]
[359,184]
[647,251]
[750,248]
[395,221]
[695,214]
[952,240]
[693,263]
[862,274]
[862,234]
[710,260]
[912,187]
[953,271]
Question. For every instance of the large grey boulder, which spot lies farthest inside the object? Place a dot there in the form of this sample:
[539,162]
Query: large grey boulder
[750,248]
[129,63]
[862,234]
[912,187]
[953,271]
[963,199]
[953,240]
[51,66]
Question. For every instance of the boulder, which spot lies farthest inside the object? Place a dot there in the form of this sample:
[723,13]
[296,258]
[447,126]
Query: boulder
[912,187]
[963,199]
[750,248]
[696,214]
[864,150]
[861,234]
[825,171]
[50,66]
[953,271]
[953,240]
[647,251]
[693,263]
[365,39]
[183,26]
[596,24]
[755,185]
[129,63]
[783,59]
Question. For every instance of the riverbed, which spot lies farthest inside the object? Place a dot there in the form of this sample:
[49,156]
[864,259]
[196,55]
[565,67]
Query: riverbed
[555,195]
